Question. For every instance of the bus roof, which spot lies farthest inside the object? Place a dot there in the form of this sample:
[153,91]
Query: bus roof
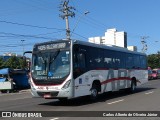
[110,47]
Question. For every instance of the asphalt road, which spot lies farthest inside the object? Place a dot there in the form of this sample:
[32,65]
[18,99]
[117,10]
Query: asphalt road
[146,98]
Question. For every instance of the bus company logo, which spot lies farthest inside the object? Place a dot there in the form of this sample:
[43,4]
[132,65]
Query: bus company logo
[6,114]
[40,87]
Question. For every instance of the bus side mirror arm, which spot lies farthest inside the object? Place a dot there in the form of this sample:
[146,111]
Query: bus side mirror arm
[27,52]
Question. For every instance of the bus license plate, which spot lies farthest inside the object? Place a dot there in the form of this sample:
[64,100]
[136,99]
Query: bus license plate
[47,96]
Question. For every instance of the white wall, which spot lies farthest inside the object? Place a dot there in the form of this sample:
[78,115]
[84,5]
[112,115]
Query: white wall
[112,37]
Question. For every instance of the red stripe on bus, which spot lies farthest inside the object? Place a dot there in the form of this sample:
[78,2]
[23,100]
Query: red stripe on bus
[120,69]
[115,79]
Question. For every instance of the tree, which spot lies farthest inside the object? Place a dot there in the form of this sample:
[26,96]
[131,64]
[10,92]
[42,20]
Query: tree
[15,63]
[23,63]
[154,60]
[1,63]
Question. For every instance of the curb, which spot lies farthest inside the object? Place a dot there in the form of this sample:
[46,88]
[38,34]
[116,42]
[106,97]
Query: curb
[21,91]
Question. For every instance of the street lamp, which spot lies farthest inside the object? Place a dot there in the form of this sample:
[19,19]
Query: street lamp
[23,45]
[85,13]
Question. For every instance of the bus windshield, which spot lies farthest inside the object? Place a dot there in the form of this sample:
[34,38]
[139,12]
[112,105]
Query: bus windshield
[50,65]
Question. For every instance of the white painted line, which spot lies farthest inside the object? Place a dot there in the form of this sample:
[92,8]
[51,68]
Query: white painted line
[54,119]
[149,92]
[116,101]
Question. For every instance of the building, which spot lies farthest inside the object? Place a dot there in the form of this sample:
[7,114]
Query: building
[132,48]
[112,37]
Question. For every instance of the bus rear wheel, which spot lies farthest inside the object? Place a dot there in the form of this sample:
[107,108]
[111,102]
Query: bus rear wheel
[94,92]
[133,86]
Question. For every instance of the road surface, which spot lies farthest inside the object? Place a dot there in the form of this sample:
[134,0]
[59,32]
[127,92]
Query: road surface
[146,98]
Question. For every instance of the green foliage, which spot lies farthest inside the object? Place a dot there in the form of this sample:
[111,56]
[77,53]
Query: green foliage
[154,60]
[1,63]
[13,62]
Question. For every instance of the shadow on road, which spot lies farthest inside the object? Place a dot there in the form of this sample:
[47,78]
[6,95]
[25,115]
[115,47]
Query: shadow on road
[102,98]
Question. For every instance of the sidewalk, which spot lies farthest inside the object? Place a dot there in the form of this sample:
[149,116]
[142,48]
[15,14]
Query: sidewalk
[19,91]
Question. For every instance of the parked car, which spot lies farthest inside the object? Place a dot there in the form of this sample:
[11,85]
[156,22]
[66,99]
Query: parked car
[157,72]
[150,77]
[154,74]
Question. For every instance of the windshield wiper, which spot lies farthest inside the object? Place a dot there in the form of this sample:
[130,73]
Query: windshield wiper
[54,57]
[51,59]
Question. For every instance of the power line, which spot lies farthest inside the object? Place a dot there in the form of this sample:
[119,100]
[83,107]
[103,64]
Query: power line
[9,46]
[45,5]
[32,5]
[11,51]
[20,35]
[14,23]
[17,35]
[79,35]
[16,45]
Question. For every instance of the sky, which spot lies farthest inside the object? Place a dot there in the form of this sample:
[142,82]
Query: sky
[26,22]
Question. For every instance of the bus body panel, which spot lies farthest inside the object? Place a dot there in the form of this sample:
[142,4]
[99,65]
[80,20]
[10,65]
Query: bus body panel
[111,80]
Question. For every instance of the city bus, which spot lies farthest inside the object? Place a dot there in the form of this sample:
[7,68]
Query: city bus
[65,69]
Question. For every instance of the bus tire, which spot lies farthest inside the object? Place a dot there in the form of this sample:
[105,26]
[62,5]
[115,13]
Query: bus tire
[133,86]
[94,90]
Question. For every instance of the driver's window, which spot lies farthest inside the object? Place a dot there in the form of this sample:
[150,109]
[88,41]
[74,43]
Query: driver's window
[81,60]
[79,64]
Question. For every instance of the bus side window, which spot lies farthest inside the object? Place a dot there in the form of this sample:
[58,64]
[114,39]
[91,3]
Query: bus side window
[79,65]
[81,60]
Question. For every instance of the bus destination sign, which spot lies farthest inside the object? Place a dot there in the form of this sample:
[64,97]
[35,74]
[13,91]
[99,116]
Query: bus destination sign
[52,46]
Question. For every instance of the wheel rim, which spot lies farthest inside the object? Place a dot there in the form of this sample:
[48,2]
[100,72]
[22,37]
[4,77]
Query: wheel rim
[133,87]
[94,92]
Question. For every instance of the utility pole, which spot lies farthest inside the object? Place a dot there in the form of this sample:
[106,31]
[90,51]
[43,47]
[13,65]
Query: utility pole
[144,43]
[66,10]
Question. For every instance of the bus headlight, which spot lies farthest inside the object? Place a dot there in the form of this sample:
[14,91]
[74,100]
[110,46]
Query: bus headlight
[66,85]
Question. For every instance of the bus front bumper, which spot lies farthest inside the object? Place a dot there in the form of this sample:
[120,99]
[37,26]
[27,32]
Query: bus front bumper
[51,94]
